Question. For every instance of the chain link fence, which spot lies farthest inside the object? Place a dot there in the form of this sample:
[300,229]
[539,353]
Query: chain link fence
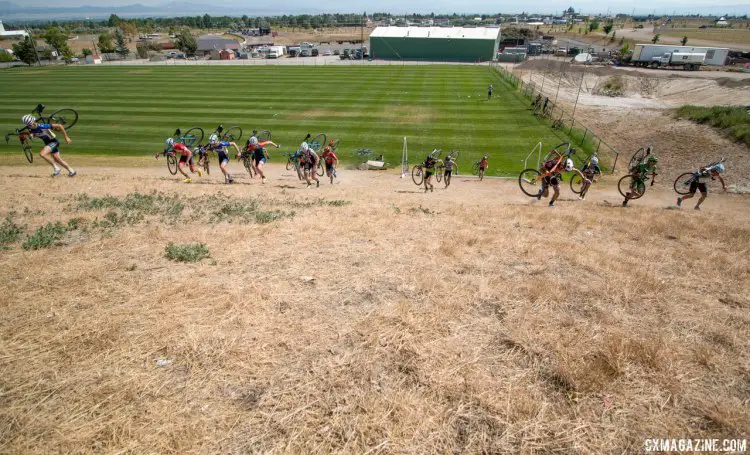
[580,135]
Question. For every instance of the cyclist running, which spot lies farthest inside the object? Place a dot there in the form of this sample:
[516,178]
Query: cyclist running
[699,183]
[429,170]
[44,131]
[640,173]
[331,160]
[309,162]
[551,176]
[220,147]
[483,164]
[589,171]
[449,165]
[186,157]
[260,154]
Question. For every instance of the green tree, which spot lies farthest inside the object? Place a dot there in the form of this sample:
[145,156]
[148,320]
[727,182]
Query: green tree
[106,43]
[142,49]
[121,47]
[113,21]
[684,40]
[207,21]
[593,25]
[607,28]
[5,57]
[655,39]
[25,52]
[58,39]
[86,51]
[186,42]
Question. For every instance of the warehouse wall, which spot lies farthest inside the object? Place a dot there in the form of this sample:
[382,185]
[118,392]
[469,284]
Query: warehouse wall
[434,49]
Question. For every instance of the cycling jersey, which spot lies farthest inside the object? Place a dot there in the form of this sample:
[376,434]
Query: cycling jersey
[643,169]
[309,157]
[483,164]
[429,163]
[44,132]
[178,147]
[330,157]
[449,164]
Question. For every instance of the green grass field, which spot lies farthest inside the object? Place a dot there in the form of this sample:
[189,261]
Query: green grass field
[132,110]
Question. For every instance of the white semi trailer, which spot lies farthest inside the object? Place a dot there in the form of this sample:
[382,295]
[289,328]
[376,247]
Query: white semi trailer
[643,54]
[689,61]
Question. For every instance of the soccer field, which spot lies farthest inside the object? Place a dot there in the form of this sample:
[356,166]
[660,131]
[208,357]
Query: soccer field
[132,110]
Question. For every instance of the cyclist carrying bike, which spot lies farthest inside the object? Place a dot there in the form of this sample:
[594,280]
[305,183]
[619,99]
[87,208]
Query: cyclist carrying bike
[640,174]
[186,157]
[331,160]
[483,164]
[589,171]
[259,154]
[699,183]
[551,176]
[220,147]
[44,131]
[309,161]
[429,170]
[449,166]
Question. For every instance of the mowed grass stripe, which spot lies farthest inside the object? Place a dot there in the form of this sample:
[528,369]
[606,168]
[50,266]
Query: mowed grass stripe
[126,110]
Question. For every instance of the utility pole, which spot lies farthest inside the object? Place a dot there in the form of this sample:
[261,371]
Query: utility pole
[38,62]
[573,115]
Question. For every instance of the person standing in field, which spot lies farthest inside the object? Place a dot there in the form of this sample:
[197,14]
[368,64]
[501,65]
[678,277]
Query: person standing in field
[489,92]
[44,131]
[483,164]
[449,166]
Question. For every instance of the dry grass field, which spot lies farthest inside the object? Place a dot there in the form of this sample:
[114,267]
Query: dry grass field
[365,316]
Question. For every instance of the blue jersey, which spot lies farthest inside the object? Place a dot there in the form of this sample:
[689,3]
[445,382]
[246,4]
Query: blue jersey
[220,146]
[44,132]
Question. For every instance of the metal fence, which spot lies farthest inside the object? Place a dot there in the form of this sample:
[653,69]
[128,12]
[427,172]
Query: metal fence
[563,121]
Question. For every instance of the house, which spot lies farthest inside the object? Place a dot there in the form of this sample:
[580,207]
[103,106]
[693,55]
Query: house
[722,22]
[226,54]
[209,43]
[4,34]
[94,59]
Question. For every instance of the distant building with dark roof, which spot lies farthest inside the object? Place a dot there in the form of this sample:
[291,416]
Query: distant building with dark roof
[208,43]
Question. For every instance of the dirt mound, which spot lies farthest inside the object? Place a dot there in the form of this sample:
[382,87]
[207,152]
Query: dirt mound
[733,83]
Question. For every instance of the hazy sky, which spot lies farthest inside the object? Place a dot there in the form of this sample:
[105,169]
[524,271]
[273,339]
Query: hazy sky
[446,6]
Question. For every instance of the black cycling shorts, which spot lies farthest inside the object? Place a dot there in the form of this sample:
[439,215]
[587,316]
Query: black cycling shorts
[698,186]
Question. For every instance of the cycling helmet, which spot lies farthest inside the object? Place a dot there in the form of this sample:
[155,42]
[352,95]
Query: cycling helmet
[170,142]
[719,168]
[253,140]
[594,161]
[485,157]
[569,165]
[330,142]
[213,139]
[28,119]
[305,147]
[653,159]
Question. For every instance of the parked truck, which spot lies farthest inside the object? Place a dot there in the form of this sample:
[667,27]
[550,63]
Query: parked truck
[688,60]
[643,54]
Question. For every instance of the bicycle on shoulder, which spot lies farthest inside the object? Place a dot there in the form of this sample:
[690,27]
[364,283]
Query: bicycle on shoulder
[633,185]
[417,172]
[479,168]
[580,181]
[531,180]
[191,138]
[66,117]
[687,182]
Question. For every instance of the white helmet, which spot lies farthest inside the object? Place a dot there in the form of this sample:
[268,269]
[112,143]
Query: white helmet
[569,165]
[594,161]
[28,119]
[253,140]
[213,139]
[170,142]
[719,168]
[305,147]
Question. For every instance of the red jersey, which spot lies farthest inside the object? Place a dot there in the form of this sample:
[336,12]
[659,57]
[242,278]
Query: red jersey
[329,156]
[178,147]
[483,164]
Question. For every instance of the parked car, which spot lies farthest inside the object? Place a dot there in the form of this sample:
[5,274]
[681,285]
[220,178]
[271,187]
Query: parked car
[327,53]
[315,52]
[336,52]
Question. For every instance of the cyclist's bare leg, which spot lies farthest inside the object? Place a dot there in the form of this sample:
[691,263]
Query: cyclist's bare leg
[224,170]
[556,188]
[314,172]
[182,171]
[259,170]
[45,153]
[60,161]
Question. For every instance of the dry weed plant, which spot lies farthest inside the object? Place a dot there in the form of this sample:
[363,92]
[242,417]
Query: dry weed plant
[489,325]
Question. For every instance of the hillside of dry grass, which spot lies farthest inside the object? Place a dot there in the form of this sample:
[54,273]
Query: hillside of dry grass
[369,318]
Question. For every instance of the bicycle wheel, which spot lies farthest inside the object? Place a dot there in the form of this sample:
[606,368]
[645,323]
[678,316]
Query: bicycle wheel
[193,136]
[455,154]
[233,134]
[475,169]
[633,185]
[576,181]
[417,175]
[65,117]
[28,151]
[682,183]
[439,172]
[264,136]
[335,144]
[289,165]
[321,168]
[172,164]
[248,163]
[317,142]
[637,157]
[530,181]
[207,165]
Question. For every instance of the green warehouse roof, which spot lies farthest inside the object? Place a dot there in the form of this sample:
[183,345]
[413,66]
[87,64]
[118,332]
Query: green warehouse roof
[467,44]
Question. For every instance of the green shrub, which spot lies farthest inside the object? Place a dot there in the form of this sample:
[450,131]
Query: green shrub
[734,120]
[10,231]
[50,234]
[187,253]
